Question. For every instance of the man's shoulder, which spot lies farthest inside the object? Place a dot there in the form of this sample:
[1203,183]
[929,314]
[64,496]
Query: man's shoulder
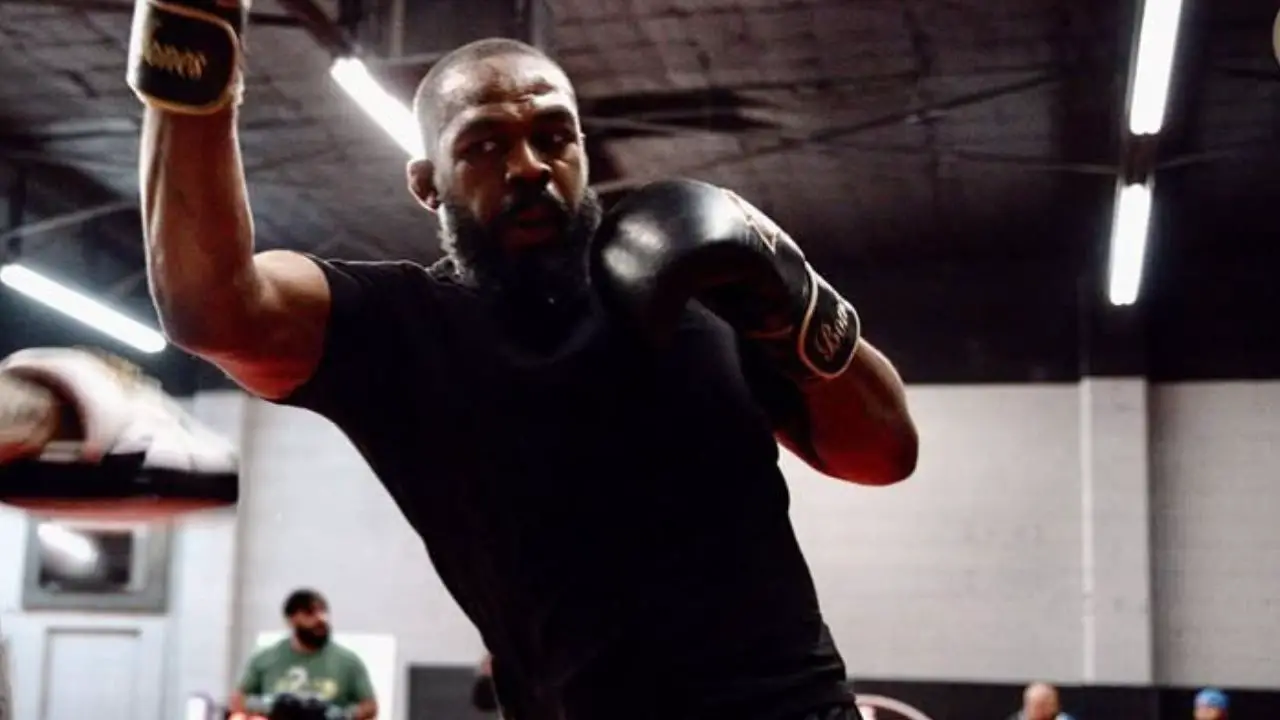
[344,654]
[270,654]
[398,278]
[409,269]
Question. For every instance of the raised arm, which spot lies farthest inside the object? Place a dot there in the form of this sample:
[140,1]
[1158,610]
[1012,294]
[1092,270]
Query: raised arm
[261,318]
[836,401]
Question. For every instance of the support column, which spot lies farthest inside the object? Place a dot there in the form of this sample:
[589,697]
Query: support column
[1115,490]
[1116,531]
[204,585]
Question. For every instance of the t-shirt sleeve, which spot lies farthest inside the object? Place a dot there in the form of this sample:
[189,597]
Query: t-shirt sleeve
[364,346]
[251,680]
[361,686]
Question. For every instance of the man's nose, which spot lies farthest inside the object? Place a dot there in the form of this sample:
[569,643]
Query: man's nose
[524,165]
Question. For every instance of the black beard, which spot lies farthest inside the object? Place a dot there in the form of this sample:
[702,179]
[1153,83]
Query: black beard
[539,289]
[311,639]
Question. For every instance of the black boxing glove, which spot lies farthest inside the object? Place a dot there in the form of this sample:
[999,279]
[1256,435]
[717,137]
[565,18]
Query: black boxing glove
[184,55]
[677,240]
[288,706]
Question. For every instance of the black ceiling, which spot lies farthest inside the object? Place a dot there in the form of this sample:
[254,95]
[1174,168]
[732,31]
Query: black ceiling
[949,163]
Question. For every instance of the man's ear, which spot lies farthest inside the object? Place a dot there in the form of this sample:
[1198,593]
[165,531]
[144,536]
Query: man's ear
[421,176]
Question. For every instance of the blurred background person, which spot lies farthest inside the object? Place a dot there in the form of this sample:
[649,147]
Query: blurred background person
[307,665]
[1211,704]
[1040,702]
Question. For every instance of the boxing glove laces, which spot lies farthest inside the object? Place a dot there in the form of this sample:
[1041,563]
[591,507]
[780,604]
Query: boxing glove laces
[184,55]
[677,240]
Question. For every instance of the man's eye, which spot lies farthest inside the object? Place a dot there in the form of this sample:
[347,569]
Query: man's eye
[554,140]
[482,147]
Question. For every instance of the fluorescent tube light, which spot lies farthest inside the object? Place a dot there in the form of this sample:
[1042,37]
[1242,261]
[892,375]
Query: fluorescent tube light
[1152,73]
[353,76]
[1129,242]
[82,308]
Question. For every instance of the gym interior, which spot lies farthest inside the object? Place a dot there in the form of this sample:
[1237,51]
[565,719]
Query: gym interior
[1055,216]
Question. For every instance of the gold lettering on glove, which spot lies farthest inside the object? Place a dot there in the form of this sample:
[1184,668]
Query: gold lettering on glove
[832,332]
[186,64]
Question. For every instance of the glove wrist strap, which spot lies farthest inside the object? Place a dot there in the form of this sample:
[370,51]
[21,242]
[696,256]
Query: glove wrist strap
[185,59]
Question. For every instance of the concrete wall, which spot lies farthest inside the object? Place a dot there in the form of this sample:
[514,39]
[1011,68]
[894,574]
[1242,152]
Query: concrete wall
[972,569]
[1216,458]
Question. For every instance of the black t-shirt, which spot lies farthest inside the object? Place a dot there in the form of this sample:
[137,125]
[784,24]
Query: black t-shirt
[612,519]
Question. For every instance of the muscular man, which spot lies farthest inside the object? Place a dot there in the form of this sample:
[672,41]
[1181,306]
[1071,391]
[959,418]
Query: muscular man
[307,665]
[578,416]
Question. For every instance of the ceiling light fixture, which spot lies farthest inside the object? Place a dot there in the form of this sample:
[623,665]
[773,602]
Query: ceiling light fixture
[1153,71]
[1129,242]
[353,76]
[82,308]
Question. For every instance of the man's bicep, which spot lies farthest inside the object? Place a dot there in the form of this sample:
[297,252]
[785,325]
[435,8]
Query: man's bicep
[251,680]
[374,308]
[361,685]
[282,340]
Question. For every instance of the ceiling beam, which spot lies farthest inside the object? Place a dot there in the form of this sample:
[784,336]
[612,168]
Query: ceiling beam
[58,222]
[832,134]
[312,18]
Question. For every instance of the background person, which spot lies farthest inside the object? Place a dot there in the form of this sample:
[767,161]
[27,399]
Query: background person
[1211,704]
[307,666]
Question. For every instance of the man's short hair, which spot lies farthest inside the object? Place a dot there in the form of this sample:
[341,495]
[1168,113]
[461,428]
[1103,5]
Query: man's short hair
[426,100]
[1212,698]
[304,600]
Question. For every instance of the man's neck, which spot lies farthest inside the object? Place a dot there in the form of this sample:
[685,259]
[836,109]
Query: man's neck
[301,649]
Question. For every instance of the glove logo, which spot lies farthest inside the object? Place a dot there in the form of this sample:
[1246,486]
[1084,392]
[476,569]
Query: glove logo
[831,333]
[186,64]
[829,336]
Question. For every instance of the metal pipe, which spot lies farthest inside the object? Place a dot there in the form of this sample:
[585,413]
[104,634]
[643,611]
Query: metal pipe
[832,134]
[321,27]
[58,222]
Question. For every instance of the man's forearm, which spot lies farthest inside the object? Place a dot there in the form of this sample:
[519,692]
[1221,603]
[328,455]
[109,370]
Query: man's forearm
[197,222]
[366,710]
[29,417]
[858,427]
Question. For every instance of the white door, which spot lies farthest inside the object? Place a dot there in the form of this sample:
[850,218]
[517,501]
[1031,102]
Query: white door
[86,668]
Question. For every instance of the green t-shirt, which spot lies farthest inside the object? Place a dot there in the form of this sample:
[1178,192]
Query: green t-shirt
[333,674]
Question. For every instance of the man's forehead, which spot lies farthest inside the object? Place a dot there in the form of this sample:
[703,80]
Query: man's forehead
[504,78]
